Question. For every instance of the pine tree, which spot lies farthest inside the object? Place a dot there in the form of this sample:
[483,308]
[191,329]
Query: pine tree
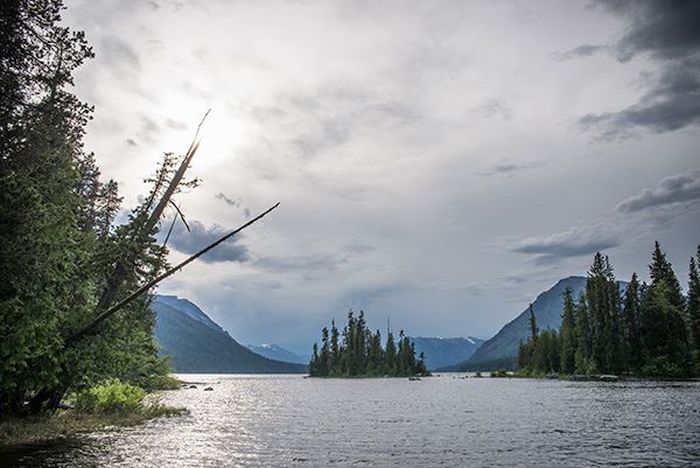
[583,328]
[335,364]
[361,353]
[693,306]
[568,335]
[390,353]
[633,324]
[665,327]
[661,270]
[533,325]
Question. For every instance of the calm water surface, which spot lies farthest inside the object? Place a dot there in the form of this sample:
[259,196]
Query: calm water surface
[439,421]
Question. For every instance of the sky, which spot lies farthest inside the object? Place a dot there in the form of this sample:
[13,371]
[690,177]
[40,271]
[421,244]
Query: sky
[437,163]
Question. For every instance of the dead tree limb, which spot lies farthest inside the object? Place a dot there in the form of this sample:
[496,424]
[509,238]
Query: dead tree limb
[116,279]
[92,326]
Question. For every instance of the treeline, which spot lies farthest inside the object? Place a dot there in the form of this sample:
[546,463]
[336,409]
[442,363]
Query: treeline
[63,262]
[357,352]
[647,330]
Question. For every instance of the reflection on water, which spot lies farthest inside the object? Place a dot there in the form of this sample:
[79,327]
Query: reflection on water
[445,420]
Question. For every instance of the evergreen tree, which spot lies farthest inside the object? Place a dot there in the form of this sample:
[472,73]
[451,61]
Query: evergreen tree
[533,325]
[660,271]
[325,356]
[665,333]
[585,342]
[335,364]
[361,353]
[598,304]
[390,354]
[633,324]
[568,335]
[693,306]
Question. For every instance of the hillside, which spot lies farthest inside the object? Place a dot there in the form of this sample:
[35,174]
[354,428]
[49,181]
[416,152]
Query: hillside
[441,352]
[502,349]
[196,344]
[278,353]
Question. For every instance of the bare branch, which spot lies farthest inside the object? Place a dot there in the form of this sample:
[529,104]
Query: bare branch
[92,326]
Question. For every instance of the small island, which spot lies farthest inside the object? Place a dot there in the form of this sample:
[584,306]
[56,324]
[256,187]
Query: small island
[357,352]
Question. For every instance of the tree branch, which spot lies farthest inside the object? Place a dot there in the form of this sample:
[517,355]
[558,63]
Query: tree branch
[92,326]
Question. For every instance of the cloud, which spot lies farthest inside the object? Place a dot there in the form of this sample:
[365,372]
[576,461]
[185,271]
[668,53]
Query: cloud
[585,50]
[669,32]
[200,236]
[496,108]
[575,242]
[670,190]
[227,200]
[359,248]
[507,169]
[121,57]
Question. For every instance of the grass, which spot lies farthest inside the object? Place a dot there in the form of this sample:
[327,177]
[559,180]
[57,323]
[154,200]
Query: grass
[67,423]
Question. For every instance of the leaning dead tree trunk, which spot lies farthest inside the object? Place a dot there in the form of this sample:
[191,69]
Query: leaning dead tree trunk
[94,324]
[116,279]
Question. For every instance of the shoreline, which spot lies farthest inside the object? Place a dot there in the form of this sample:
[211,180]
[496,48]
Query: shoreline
[67,423]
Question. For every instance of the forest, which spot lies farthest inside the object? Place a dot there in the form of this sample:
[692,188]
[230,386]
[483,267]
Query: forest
[68,318]
[357,352]
[649,330]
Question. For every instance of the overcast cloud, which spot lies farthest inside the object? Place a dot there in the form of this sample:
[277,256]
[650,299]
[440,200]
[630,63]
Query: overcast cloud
[440,163]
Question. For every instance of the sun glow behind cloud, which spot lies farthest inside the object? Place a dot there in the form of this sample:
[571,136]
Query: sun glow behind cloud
[436,135]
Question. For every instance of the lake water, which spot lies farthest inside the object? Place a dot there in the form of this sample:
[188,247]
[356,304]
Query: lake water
[439,421]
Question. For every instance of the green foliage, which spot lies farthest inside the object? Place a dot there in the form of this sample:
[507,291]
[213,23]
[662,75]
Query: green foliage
[59,249]
[360,353]
[693,308]
[109,397]
[649,331]
[568,335]
[664,367]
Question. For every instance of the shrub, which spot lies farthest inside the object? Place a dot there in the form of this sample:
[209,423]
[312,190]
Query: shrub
[111,396]
[664,367]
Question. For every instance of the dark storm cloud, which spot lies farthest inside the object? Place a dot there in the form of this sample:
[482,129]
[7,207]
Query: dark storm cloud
[669,32]
[667,29]
[572,243]
[199,236]
[670,190]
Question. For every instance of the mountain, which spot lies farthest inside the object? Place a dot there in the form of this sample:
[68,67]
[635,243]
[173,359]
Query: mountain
[278,353]
[195,343]
[502,350]
[442,352]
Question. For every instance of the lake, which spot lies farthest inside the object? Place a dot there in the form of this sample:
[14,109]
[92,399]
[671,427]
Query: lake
[447,420]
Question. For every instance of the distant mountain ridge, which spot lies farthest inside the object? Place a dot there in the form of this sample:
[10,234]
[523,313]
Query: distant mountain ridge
[441,352]
[278,353]
[501,350]
[197,344]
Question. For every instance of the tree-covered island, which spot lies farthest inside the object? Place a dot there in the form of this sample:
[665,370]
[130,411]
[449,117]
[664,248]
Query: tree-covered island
[357,352]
